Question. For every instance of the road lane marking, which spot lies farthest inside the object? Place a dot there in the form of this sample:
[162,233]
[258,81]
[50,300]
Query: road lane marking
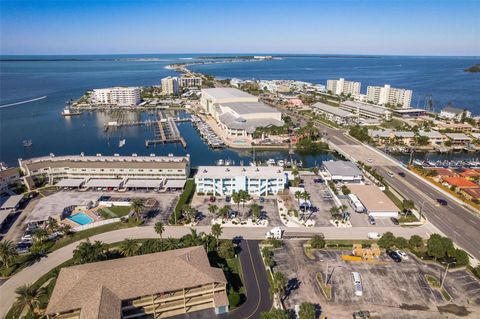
[256,280]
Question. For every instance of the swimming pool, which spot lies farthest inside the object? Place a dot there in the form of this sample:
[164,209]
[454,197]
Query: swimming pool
[81,218]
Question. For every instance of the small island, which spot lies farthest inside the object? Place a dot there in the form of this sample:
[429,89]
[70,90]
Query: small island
[474,68]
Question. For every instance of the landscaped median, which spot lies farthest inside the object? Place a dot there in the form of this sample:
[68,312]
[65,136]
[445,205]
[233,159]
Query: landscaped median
[326,288]
[435,284]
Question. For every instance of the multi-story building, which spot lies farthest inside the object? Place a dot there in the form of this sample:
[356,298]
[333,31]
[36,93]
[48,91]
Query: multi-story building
[434,138]
[190,81]
[335,114]
[8,177]
[454,127]
[389,95]
[117,96]
[170,85]
[225,180]
[367,111]
[104,169]
[459,140]
[237,112]
[341,86]
[159,285]
[452,113]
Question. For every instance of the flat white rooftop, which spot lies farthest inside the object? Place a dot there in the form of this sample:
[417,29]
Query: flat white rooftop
[227,93]
[175,183]
[235,171]
[70,182]
[373,198]
[144,183]
[11,202]
[107,182]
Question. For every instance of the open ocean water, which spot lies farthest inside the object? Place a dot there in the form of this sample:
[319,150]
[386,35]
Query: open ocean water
[61,78]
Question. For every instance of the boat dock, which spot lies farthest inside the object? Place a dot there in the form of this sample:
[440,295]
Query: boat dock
[166,131]
[207,133]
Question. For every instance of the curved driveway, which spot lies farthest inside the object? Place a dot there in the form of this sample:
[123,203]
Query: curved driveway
[33,273]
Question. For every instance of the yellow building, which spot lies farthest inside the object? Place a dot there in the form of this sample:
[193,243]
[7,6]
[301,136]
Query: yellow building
[158,285]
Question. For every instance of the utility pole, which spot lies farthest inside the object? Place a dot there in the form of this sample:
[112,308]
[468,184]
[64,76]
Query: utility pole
[326,273]
[445,275]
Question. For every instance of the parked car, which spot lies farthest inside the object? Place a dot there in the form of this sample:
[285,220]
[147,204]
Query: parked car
[390,174]
[442,202]
[395,257]
[262,200]
[211,199]
[402,254]
[318,181]
[371,220]
[402,174]
[228,199]
[394,221]
[369,160]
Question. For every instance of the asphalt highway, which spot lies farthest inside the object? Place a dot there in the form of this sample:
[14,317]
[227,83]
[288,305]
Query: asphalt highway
[457,221]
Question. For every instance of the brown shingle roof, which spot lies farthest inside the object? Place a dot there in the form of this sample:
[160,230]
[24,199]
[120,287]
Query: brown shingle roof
[132,277]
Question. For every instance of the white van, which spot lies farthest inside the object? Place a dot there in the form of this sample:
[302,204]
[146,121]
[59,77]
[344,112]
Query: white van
[357,284]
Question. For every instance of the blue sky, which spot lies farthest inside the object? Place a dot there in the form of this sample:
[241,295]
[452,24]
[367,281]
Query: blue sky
[404,27]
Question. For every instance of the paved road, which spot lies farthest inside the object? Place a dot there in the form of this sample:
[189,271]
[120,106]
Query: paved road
[34,272]
[456,220]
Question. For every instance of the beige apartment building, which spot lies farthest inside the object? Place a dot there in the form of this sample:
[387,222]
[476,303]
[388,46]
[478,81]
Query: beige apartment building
[158,285]
[170,85]
[190,81]
[117,96]
[386,94]
[104,169]
[341,86]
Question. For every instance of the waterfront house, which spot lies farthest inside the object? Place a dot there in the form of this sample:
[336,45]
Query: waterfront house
[8,177]
[458,182]
[158,285]
[455,127]
[470,174]
[434,138]
[452,113]
[472,194]
[459,140]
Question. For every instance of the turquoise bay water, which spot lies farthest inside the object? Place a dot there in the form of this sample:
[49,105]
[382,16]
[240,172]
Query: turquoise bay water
[61,78]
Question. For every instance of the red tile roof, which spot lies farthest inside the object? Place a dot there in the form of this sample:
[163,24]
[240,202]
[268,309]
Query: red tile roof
[473,192]
[460,182]
[444,171]
[470,173]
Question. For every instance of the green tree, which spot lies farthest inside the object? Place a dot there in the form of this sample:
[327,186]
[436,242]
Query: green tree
[401,243]
[190,213]
[237,198]
[159,228]
[225,210]
[137,207]
[129,247]
[87,252]
[256,210]
[387,240]
[226,250]
[317,242]
[415,241]
[170,243]
[8,252]
[279,282]
[275,314]
[461,257]
[408,204]
[335,212]
[307,311]
[217,232]
[212,208]
[40,234]
[435,247]
[52,225]
[192,239]
[28,296]
[345,190]
[233,298]
[298,196]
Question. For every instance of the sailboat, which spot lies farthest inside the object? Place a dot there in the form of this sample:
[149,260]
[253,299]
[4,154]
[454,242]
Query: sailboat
[121,143]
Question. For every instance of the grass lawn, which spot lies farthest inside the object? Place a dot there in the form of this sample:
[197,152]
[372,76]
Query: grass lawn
[393,124]
[326,288]
[394,198]
[118,211]
[435,284]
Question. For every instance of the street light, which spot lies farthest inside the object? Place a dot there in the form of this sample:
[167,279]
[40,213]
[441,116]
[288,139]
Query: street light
[445,275]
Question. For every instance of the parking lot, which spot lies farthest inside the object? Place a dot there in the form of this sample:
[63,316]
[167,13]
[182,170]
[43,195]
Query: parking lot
[321,204]
[268,205]
[395,290]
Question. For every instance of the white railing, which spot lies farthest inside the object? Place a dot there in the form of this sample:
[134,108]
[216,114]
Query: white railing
[96,224]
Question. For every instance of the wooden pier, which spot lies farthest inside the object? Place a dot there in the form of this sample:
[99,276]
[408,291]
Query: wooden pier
[166,131]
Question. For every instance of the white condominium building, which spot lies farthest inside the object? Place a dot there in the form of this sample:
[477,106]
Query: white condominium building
[140,168]
[120,96]
[340,86]
[190,81]
[225,180]
[367,111]
[170,85]
[223,95]
[388,95]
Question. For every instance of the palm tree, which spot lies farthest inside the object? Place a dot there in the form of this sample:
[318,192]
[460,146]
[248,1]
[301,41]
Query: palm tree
[212,209]
[7,252]
[305,196]
[244,197]
[87,252]
[159,228]
[224,210]
[65,229]
[256,210]
[137,207]
[52,225]
[28,297]
[40,234]
[170,243]
[237,198]
[298,195]
[278,283]
[129,247]
[217,232]
[190,213]
[192,239]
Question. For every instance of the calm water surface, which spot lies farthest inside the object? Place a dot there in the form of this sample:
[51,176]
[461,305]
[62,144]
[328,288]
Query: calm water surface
[60,80]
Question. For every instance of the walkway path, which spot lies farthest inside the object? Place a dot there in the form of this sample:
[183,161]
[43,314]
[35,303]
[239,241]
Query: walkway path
[33,273]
